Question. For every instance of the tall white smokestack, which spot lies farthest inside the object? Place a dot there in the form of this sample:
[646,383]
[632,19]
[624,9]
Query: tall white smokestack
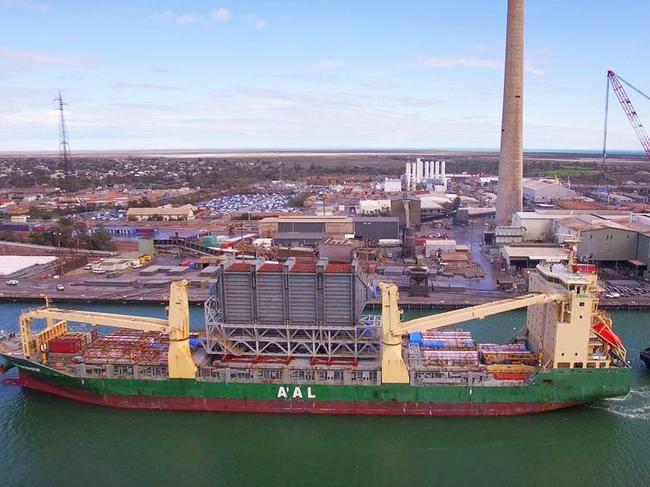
[442,169]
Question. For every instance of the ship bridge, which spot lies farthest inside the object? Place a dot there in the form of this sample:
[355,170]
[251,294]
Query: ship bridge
[566,277]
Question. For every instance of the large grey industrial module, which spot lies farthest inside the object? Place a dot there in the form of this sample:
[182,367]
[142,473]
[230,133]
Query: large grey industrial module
[292,293]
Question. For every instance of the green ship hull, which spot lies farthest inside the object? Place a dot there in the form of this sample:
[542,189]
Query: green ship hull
[547,390]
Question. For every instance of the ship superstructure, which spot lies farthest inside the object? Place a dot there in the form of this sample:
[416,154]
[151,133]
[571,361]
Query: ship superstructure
[293,337]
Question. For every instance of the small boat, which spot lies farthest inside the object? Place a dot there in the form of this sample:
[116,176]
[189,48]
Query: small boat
[645,357]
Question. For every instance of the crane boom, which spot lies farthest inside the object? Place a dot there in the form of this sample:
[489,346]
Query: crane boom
[474,312]
[179,357]
[394,369]
[629,110]
[99,319]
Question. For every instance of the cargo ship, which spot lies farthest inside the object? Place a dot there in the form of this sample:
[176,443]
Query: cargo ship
[292,337]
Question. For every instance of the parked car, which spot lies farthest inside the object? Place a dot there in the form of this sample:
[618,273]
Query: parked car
[60,287]
[12,282]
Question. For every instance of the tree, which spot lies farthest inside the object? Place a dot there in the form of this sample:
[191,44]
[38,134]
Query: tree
[100,239]
[298,200]
[144,202]
[41,238]
[36,213]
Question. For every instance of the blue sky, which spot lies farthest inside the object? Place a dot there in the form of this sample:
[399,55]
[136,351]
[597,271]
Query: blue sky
[312,74]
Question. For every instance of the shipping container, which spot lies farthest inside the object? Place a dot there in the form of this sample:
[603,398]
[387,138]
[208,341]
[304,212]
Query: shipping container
[451,358]
[449,343]
[512,357]
[65,345]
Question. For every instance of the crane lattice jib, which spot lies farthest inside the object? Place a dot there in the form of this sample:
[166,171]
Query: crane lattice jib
[629,110]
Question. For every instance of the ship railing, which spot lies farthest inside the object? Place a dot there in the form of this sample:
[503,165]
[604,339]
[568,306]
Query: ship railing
[119,371]
[290,376]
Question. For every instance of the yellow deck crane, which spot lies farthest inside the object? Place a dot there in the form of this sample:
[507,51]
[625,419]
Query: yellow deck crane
[177,326]
[394,369]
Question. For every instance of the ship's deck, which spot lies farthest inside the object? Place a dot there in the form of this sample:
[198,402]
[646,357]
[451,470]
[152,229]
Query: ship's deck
[451,358]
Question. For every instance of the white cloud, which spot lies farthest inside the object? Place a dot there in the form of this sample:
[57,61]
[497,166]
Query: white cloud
[164,17]
[312,77]
[218,15]
[253,117]
[19,57]
[123,85]
[257,22]
[170,17]
[464,62]
[381,85]
[187,19]
[534,70]
[331,98]
[473,62]
[26,5]
[221,14]
[329,64]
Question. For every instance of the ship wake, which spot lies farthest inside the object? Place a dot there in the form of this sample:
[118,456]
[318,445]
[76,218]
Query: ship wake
[635,405]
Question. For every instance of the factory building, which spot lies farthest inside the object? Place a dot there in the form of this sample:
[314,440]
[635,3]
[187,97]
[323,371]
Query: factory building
[376,228]
[509,235]
[373,207]
[336,249]
[433,246]
[643,250]
[518,257]
[392,185]
[161,213]
[538,227]
[297,239]
[600,240]
[433,205]
[285,225]
[608,238]
[536,191]
[422,172]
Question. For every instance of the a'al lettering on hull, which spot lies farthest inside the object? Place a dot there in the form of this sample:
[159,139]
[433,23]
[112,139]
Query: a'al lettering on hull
[286,392]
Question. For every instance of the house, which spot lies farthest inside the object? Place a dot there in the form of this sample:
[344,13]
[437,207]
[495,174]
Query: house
[161,213]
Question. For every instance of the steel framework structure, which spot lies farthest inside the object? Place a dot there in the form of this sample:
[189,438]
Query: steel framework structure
[290,341]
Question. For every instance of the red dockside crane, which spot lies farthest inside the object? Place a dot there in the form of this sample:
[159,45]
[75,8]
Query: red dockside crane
[615,81]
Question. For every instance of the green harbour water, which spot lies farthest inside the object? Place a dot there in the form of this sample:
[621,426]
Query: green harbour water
[47,441]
